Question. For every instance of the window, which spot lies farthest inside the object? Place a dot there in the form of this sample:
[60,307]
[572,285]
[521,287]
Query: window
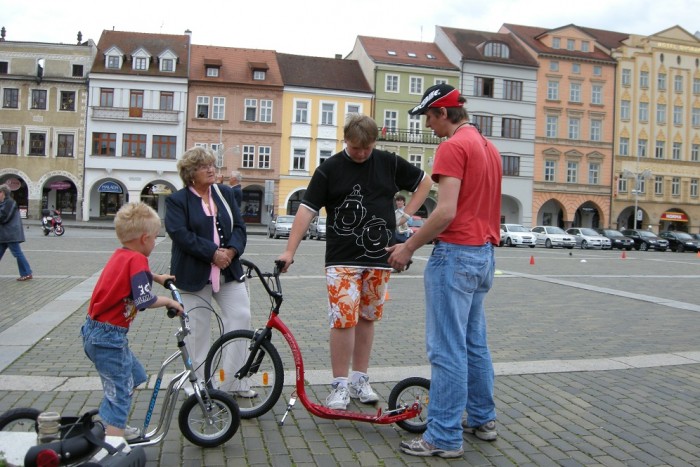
[695,153]
[167,100]
[626,77]
[167,64]
[440,81]
[574,128]
[624,146]
[593,173]
[512,90]
[164,147]
[212,71]
[324,154]
[552,130]
[643,112]
[259,75]
[353,109]
[575,92]
[264,157]
[251,110]
[597,94]
[644,79]
[10,98]
[391,83]
[104,144]
[676,151]
[9,142]
[676,186]
[641,185]
[416,160]
[202,106]
[553,90]
[266,110]
[511,165]
[140,63]
[497,49]
[327,113]
[642,148]
[622,184]
[136,103]
[218,108]
[113,61]
[106,97]
[695,116]
[572,172]
[694,187]
[661,114]
[597,70]
[416,85]
[133,145]
[596,130]
[576,68]
[696,85]
[585,46]
[301,114]
[65,145]
[483,86]
[3,68]
[38,99]
[625,109]
[248,156]
[37,144]
[660,149]
[658,185]
[570,44]
[549,170]
[554,66]
[677,114]
[299,160]
[661,81]
[678,83]
[414,126]
[484,123]
[511,128]
[391,119]
[556,42]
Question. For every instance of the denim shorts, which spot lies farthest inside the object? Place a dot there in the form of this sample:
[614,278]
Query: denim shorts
[120,371]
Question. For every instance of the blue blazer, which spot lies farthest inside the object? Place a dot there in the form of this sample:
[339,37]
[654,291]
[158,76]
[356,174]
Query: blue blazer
[192,233]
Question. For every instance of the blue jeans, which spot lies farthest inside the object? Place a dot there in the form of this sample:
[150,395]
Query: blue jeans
[16,250]
[457,279]
[120,371]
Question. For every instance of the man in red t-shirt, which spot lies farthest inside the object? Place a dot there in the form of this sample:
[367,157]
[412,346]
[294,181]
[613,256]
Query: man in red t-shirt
[457,277]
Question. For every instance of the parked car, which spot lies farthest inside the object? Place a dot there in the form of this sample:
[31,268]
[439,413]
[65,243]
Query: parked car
[680,241]
[645,240]
[589,238]
[280,226]
[516,234]
[617,240]
[415,223]
[696,236]
[551,236]
[317,229]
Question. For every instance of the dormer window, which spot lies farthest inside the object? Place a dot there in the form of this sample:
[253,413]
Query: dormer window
[496,49]
[259,75]
[212,71]
[140,60]
[140,63]
[391,52]
[167,64]
[412,54]
[258,70]
[114,62]
[431,56]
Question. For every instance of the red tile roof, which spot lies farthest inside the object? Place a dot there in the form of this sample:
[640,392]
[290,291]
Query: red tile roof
[471,45]
[410,53]
[236,65]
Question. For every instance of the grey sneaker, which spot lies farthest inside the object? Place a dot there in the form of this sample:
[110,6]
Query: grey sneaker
[338,398]
[486,432]
[131,433]
[363,391]
[420,447]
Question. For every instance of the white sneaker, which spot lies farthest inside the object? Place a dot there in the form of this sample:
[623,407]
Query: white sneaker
[338,398]
[363,391]
[246,394]
[131,433]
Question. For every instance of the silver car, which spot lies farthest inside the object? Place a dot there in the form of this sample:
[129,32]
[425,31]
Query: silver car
[551,236]
[516,234]
[589,238]
[281,226]
[317,228]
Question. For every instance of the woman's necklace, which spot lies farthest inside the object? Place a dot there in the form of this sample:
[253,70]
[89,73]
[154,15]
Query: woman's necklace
[460,126]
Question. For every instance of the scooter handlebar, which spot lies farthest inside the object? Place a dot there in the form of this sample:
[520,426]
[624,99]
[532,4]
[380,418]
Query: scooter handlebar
[170,284]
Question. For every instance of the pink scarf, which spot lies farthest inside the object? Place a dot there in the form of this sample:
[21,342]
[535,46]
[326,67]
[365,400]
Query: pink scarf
[215,275]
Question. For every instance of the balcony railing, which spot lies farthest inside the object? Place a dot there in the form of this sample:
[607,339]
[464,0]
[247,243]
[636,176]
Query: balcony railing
[127,113]
[408,136]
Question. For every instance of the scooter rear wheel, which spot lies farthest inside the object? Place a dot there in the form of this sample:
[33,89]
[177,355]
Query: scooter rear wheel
[404,394]
[59,230]
[22,419]
[223,410]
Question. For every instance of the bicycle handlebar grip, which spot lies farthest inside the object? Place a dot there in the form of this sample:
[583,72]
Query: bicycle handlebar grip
[279,265]
[170,284]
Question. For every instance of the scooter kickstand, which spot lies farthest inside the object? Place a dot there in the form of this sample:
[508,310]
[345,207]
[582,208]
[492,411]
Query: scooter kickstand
[292,401]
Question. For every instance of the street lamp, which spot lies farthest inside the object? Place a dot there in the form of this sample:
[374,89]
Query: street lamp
[637,176]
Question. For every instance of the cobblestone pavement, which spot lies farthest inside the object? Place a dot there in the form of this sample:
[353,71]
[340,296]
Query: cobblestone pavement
[598,358]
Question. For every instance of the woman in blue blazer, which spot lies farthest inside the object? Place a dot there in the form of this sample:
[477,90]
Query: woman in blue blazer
[209,237]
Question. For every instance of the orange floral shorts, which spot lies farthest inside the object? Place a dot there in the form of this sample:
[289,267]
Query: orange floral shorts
[355,292]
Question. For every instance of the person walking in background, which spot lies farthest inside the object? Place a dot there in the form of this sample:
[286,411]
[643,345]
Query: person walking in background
[209,237]
[457,277]
[11,232]
[235,182]
[357,187]
[403,230]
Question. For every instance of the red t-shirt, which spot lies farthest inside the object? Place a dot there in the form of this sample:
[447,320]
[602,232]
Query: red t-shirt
[470,157]
[124,288]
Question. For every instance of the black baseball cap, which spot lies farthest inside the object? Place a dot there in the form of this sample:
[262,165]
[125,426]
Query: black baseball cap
[440,95]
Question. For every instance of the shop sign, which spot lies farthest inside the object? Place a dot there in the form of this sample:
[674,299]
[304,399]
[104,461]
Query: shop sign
[13,183]
[110,187]
[59,185]
[160,189]
[674,217]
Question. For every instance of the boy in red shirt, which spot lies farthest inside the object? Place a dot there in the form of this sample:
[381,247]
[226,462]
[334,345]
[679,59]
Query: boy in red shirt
[123,289]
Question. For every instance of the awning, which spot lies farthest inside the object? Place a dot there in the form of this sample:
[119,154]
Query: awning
[671,216]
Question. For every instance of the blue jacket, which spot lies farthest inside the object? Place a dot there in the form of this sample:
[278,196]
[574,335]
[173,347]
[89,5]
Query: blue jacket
[10,222]
[192,234]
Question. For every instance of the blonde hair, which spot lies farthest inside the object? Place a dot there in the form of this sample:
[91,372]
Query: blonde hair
[135,219]
[193,159]
[360,130]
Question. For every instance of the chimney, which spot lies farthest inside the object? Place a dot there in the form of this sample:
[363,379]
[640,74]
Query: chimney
[338,56]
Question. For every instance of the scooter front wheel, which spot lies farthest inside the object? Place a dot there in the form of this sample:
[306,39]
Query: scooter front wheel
[59,230]
[216,426]
[405,394]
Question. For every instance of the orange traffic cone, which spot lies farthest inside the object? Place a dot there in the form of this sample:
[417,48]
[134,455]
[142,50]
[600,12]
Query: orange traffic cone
[698,253]
[386,295]
[532,260]
[623,256]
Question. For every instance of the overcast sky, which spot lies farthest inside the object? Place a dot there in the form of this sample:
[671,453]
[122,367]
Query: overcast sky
[326,27]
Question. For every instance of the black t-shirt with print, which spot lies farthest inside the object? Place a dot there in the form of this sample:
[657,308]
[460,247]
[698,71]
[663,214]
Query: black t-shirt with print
[359,201]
